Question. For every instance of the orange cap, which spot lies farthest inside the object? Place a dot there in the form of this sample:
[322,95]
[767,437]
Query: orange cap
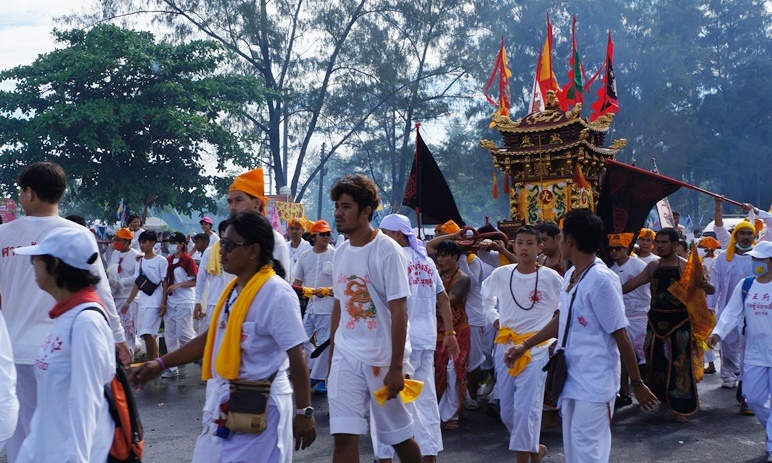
[124,234]
[320,226]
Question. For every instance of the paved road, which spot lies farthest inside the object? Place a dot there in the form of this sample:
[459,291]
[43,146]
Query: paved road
[171,413]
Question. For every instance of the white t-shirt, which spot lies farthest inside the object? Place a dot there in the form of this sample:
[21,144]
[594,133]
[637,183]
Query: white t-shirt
[271,327]
[72,420]
[9,403]
[592,355]
[366,278]
[295,253]
[726,275]
[122,282]
[474,305]
[155,270]
[637,301]
[758,316]
[135,240]
[281,253]
[216,282]
[25,305]
[182,295]
[649,258]
[425,284]
[213,238]
[541,302]
[315,271]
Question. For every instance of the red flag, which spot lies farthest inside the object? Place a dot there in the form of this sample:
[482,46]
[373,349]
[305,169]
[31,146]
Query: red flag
[573,92]
[500,68]
[545,78]
[495,186]
[607,95]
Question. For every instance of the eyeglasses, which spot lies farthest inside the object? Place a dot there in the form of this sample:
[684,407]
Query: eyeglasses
[324,234]
[227,245]
[615,248]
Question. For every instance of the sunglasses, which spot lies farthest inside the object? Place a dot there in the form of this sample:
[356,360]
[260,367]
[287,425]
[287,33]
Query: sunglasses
[325,234]
[227,245]
[615,248]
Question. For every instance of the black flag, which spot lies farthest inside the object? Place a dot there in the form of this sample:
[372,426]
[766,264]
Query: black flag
[427,189]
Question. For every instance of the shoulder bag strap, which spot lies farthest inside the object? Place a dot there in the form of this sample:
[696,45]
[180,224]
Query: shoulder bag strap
[571,304]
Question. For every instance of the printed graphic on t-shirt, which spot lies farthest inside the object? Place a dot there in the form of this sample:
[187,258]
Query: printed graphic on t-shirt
[420,274]
[760,304]
[535,296]
[359,304]
[49,347]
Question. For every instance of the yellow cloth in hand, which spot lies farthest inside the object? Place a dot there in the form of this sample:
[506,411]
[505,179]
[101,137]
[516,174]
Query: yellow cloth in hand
[410,392]
[506,335]
[309,292]
[229,357]
[213,266]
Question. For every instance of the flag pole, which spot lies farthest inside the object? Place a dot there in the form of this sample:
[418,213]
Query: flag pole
[418,180]
[672,180]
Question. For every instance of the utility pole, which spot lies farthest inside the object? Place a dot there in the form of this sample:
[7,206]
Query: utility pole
[321,186]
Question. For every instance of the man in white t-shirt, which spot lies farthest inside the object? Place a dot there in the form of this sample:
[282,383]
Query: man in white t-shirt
[637,304]
[646,245]
[314,270]
[595,338]
[210,280]
[247,192]
[120,272]
[25,305]
[751,306]
[297,245]
[427,299]
[368,335]
[151,307]
[527,295]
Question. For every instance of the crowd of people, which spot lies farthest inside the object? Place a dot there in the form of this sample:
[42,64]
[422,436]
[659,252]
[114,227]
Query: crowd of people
[403,336]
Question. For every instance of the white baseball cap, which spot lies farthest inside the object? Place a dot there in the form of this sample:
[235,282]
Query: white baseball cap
[75,247]
[762,250]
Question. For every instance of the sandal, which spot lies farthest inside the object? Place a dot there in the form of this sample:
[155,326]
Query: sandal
[450,425]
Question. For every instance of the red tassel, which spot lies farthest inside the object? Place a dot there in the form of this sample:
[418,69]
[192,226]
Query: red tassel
[506,183]
[495,186]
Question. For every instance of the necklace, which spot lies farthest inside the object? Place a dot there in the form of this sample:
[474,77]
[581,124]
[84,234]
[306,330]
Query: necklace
[227,309]
[576,276]
[534,299]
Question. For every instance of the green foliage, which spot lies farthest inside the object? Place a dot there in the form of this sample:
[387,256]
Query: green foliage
[128,118]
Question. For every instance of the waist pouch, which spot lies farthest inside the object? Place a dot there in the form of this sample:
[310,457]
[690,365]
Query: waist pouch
[248,405]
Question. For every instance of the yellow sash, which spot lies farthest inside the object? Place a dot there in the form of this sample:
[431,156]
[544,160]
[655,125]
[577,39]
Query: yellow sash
[506,335]
[408,394]
[213,264]
[229,357]
[310,292]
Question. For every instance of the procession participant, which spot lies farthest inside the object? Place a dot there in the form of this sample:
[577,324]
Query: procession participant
[134,224]
[709,245]
[120,273]
[637,304]
[682,249]
[668,345]
[181,272]
[255,335]
[528,295]
[150,307]
[596,340]
[211,279]
[450,371]
[314,270]
[9,403]
[427,306]
[550,256]
[247,192]
[677,225]
[297,245]
[368,333]
[645,245]
[41,186]
[72,421]
[207,224]
[749,306]
[200,244]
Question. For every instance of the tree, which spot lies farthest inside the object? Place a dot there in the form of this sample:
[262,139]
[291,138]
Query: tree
[128,118]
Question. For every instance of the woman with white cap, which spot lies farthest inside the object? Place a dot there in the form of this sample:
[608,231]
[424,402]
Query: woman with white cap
[72,420]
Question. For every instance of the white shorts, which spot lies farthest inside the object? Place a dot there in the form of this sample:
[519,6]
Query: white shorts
[476,349]
[639,321]
[148,321]
[350,388]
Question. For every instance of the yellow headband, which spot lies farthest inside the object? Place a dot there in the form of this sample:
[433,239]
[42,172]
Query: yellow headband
[253,184]
[744,225]
[620,239]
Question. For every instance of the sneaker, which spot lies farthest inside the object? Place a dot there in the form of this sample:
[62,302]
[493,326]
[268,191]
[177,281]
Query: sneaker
[170,373]
[623,399]
[320,388]
[729,384]
[745,409]
[472,405]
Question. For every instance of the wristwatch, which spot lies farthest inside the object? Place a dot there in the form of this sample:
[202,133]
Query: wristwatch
[308,412]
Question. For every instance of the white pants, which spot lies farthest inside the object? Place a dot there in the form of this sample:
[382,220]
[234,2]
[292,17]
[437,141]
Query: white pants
[207,447]
[488,335]
[27,393]
[321,326]
[426,412]
[757,387]
[476,348]
[639,322]
[178,325]
[450,402]
[586,430]
[129,321]
[349,389]
[730,355]
[521,399]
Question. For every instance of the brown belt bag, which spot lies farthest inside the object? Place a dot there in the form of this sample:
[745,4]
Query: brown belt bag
[248,405]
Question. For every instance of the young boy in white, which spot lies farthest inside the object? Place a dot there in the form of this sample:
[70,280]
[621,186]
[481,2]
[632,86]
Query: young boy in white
[369,328]
[528,295]
[150,308]
[120,272]
[756,312]
[180,296]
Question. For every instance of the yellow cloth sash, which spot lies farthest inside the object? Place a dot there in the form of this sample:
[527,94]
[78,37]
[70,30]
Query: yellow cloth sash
[506,335]
[470,257]
[410,392]
[503,260]
[213,266]
[308,292]
[229,357]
